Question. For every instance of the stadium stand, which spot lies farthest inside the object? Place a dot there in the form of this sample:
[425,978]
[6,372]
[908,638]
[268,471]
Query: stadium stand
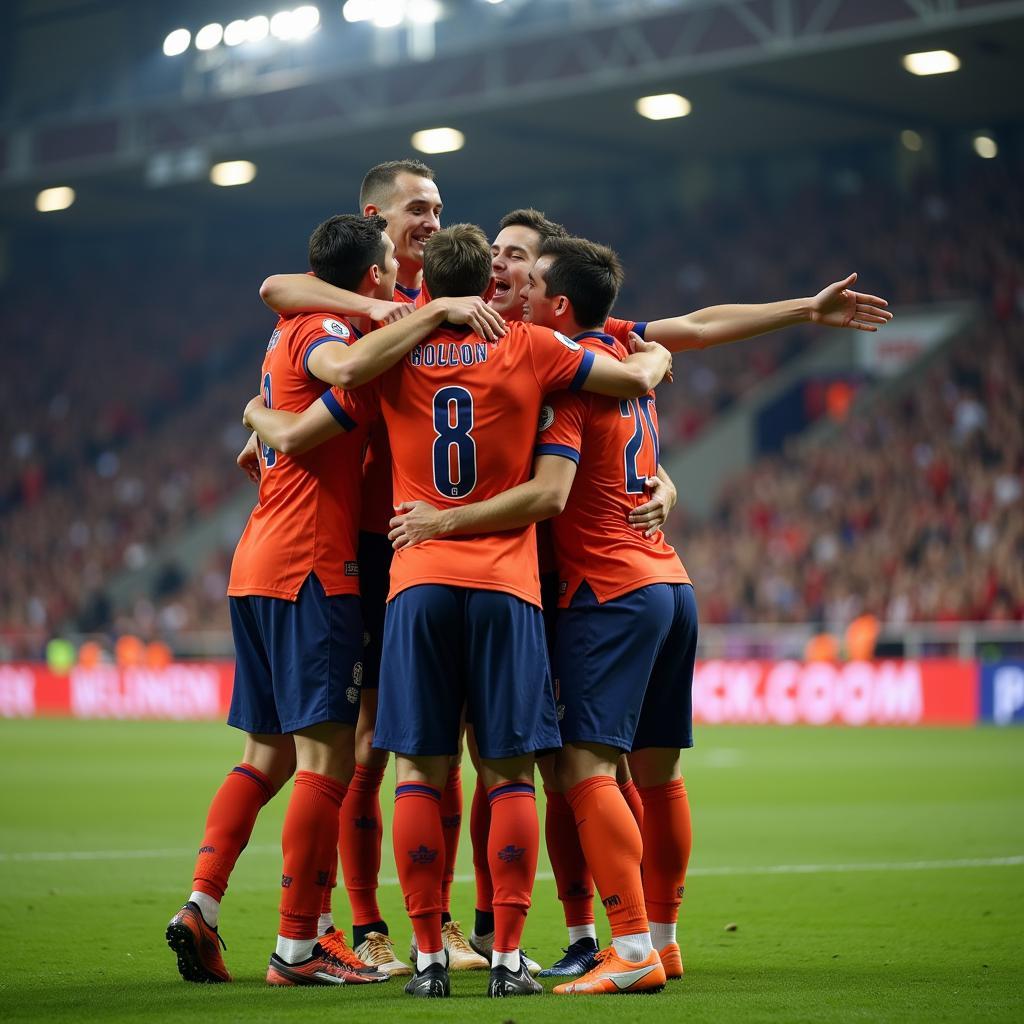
[102,473]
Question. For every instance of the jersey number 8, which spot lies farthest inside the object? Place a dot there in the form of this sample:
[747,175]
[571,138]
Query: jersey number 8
[454,445]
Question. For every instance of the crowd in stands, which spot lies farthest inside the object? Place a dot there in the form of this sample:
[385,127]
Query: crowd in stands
[123,427]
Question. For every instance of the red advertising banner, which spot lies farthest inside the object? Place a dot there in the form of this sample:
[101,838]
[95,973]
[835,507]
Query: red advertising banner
[899,693]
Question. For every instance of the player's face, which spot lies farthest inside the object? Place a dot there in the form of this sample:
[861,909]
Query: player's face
[538,307]
[413,214]
[513,252]
[388,271]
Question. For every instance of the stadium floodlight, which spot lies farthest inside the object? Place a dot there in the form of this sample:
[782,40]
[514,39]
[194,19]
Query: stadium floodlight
[985,146]
[177,42]
[358,10]
[931,62]
[305,21]
[438,140]
[209,36]
[282,25]
[423,12]
[388,13]
[663,106]
[52,199]
[235,32]
[257,29]
[233,172]
[911,140]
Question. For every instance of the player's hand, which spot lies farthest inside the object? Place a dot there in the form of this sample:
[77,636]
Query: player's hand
[416,521]
[637,344]
[474,312]
[385,312]
[254,403]
[837,305]
[248,459]
[653,514]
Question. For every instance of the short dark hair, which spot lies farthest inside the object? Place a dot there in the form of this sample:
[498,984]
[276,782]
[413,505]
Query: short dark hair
[345,246]
[535,220]
[587,274]
[380,180]
[457,261]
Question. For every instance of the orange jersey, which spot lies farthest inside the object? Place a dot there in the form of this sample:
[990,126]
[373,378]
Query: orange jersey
[378,506]
[593,539]
[307,516]
[462,417]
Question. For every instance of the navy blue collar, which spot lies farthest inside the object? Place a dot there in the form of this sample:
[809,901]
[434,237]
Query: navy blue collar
[600,335]
[409,293]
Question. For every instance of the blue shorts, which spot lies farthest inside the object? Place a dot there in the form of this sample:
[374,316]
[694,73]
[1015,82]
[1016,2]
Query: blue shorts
[297,663]
[549,606]
[624,669]
[375,554]
[445,647]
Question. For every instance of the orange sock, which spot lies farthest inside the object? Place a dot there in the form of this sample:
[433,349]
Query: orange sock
[451,822]
[308,843]
[613,847]
[632,797]
[359,841]
[332,882]
[573,880]
[479,829]
[668,838]
[229,824]
[512,847]
[419,855]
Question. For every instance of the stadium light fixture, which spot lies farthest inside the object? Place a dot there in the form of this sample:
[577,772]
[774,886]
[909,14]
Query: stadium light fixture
[663,106]
[423,12]
[438,140]
[305,21]
[281,25]
[235,32]
[931,62]
[257,29]
[177,42]
[911,140]
[357,10]
[388,13]
[233,172]
[985,146]
[209,36]
[52,199]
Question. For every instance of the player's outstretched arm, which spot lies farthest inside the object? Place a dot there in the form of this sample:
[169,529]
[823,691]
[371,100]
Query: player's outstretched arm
[836,305]
[541,497]
[302,293]
[652,515]
[349,366]
[637,374]
[291,433]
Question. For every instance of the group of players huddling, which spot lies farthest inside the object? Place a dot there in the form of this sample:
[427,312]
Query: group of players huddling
[426,399]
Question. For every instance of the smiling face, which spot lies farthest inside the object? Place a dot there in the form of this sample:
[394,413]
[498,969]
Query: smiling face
[538,307]
[413,213]
[513,253]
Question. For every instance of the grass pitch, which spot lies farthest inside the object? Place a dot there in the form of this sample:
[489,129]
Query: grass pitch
[870,875]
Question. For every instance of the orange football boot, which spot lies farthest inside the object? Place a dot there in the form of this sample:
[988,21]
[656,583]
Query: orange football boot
[671,960]
[197,946]
[320,968]
[334,942]
[615,976]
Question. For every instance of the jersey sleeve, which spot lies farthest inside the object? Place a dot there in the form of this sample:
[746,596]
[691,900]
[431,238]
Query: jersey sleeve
[317,331]
[354,408]
[562,420]
[558,361]
[620,329]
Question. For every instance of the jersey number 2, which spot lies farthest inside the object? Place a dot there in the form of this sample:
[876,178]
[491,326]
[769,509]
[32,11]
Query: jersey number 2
[640,410]
[454,445]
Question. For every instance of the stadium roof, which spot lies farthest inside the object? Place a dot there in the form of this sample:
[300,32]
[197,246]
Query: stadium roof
[536,97]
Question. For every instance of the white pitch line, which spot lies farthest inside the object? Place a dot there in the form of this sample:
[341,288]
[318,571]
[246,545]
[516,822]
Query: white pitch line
[695,872]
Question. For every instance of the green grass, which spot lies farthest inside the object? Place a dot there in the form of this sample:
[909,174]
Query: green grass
[82,939]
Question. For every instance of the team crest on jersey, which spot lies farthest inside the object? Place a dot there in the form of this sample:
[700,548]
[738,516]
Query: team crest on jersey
[547,417]
[571,345]
[336,328]
[274,339]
